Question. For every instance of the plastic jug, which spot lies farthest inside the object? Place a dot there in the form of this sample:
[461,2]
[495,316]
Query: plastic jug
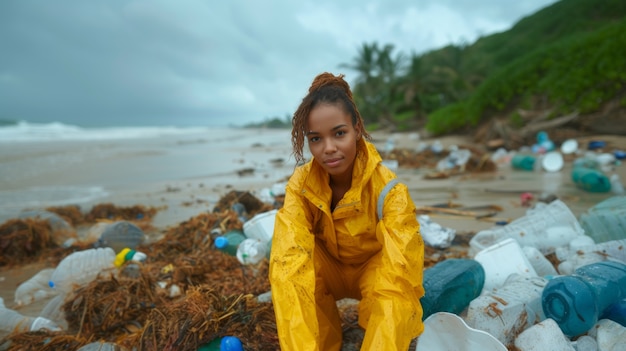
[576,301]
[450,285]
[509,309]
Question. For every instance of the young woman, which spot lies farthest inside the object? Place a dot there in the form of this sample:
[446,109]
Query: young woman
[333,239]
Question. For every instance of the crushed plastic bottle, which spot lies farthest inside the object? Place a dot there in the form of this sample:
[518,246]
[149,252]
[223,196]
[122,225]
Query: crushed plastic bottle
[81,267]
[11,320]
[35,288]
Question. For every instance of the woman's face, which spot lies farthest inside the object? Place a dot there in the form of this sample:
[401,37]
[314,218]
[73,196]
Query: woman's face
[332,139]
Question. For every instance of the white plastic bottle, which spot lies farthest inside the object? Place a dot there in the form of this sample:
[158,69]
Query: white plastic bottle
[251,251]
[11,320]
[543,267]
[34,289]
[82,267]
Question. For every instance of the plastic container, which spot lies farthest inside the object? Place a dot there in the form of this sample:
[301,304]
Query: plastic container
[606,220]
[252,251]
[523,162]
[542,266]
[584,343]
[34,289]
[507,310]
[450,285]
[82,267]
[579,256]
[11,320]
[591,179]
[548,333]
[576,301]
[501,260]
[229,242]
[121,234]
[447,331]
[261,226]
[545,226]
[609,335]
[225,343]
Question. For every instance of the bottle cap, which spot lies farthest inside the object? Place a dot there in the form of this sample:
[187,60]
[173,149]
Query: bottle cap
[139,257]
[221,242]
[123,256]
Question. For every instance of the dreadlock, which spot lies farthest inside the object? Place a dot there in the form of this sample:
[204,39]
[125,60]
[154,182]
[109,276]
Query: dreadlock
[329,89]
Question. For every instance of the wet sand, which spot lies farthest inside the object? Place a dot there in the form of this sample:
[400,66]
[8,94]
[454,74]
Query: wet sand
[187,175]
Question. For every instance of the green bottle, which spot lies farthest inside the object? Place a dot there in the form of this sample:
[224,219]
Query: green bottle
[591,179]
[229,242]
[523,162]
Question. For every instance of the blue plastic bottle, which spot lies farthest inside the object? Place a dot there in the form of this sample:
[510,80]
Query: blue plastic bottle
[229,242]
[616,312]
[577,301]
[451,285]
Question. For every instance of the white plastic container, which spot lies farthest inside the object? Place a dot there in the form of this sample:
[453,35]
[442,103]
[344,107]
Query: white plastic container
[544,336]
[11,320]
[542,266]
[447,331]
[261,226]
[34,289]
[251,251]
[545,226]
[614,250]
[501,260]
[506,311]
[609,335]
[82,267]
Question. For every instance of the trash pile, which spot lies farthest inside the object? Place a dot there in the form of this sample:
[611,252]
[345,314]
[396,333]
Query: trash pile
[202,285]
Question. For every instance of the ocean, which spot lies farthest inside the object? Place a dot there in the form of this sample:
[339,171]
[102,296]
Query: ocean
[56,164]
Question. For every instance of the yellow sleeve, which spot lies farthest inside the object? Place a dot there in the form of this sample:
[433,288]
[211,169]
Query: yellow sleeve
[292,275]
[396,313]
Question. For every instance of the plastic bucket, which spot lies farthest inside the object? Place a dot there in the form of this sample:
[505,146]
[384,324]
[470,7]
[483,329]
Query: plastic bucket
[261,226]
[447,331]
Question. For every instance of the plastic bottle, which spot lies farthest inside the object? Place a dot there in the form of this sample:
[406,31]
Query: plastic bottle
[590,179]
[11,320]
[121,234]
[100,346]
[616,312]
[450,285]
[34,289]
[229,242]
[576,257]
[616,184]
[251,251]
[542,266]
[605,220]
[523,162]
[225,343]
[504,311]
[576,301]
[81,267]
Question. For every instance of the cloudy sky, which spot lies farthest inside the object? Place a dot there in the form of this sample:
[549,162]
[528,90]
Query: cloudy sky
[205,62]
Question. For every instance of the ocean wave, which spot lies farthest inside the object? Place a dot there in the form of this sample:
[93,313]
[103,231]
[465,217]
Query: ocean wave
[24,131]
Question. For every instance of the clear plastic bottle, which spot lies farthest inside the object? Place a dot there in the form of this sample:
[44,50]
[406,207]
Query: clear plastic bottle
[450,285]
[606,220]
[229,242]
[514,306]
[251,251]
[576,301]
[82,267]
[11,320]
[34,289]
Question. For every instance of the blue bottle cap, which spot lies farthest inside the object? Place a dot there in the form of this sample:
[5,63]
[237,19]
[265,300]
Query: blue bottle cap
[221,242]
[231,343]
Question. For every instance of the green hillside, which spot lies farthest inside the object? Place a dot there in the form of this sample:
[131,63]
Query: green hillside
[567,59]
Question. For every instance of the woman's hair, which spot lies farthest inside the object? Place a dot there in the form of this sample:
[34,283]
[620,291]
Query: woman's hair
[328,89]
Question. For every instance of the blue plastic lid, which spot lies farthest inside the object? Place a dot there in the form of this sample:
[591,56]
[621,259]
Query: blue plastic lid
[221,242]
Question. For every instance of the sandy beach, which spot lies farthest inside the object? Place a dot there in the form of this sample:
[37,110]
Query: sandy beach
[185,175]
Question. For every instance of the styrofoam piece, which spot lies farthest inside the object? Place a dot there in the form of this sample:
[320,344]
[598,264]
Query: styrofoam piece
[447,331]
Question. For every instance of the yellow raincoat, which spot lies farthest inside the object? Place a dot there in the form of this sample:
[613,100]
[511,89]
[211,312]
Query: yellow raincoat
[319,256]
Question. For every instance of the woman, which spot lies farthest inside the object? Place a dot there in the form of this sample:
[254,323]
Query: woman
[328,241]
